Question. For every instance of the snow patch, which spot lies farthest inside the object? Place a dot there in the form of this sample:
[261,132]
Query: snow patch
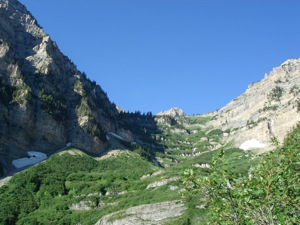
[33,158]
[252,144]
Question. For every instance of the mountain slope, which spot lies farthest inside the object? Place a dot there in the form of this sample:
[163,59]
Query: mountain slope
[269,108]
[45,102]
[174,112]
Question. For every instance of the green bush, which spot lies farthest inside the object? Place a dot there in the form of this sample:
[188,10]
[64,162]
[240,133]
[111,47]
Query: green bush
[54,107]
[198,119]
[83,108]
[215,132]
[270,107]
[21,94]
[42,186]
[295,90]
[275,94]
[267,195]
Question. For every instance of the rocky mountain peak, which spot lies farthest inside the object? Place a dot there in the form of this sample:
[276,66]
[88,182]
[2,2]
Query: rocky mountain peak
[45,101]
[174,112]
[268,109]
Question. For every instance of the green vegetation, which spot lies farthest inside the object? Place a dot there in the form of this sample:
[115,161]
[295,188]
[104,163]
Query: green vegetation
[215,132]
[186,137]
[96,131]
[198,119]
[21,94]
[297,104]
[269,194]
[252,123]
[14,94]
[275,94]
[46,191]
[54,107]
[42,69]
[144,127]
[295,90]
[270,107]
[78,87]
[236,187]
[83,108]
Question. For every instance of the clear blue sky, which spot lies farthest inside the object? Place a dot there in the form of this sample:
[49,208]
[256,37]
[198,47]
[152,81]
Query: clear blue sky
[151,55]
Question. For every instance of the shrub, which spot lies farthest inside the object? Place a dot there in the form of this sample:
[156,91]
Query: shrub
[295,90]
[21,94]
[275,94]
[54,107]
[270,107]
[83,108]
[268,195]
[216,132]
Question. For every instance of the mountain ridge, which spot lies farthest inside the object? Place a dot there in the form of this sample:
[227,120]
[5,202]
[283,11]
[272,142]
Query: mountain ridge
[268,109]
[46,102]
[174,112]
[109,166]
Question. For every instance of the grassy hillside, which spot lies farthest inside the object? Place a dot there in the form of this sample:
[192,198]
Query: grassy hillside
[73,187]
[51,190]
[267,194]
[47,191]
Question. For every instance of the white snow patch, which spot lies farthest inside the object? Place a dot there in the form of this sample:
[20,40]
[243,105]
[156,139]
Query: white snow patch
[33,158]
[252,144]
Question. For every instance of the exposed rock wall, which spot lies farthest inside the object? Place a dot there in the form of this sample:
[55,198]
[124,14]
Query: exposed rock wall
[174,112]
[269,108]
[150,214]
[45,102]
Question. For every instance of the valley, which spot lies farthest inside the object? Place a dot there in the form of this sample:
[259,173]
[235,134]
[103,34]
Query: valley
[68,155]
[83,188]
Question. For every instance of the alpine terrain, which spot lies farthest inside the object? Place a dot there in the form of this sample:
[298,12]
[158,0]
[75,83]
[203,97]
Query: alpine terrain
[68,155]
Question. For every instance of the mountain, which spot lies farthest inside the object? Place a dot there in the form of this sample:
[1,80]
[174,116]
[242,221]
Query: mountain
[103,165]
[174,112]
[268,109]
[46,103]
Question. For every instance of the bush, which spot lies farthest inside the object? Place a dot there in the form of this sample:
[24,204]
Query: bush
[216,132]
[275,94]
[267,195]
[83,108]
[21,94]
[52,106]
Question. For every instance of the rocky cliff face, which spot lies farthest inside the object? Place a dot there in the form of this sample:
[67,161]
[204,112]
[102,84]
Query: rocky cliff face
[45,102]
[174,112]
[269,108]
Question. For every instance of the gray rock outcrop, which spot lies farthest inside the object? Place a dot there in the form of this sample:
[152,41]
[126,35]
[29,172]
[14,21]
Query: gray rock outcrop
[174,112]
[269,108]
[150,214]
[45,102]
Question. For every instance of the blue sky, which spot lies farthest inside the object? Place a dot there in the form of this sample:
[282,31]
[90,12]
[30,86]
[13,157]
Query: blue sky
[151,55]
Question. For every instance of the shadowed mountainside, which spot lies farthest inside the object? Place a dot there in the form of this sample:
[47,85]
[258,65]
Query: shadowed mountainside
[45,101]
